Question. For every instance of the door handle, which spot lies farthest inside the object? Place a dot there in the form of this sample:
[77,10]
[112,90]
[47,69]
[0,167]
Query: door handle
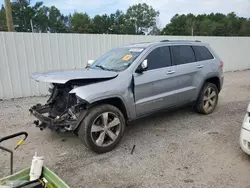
[171,72]
[200,66]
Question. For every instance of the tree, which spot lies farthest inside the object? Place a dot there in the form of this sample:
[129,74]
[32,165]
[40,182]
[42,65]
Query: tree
[120,25]
[142,17]
[22,14]
[177,26]
[81,23]
[41,20]
[3,24]
[245,28]
[155,31]
[101,24]
[114,23]
[208,25]
[138,19]
[44,19]
[56,21]
[190,24]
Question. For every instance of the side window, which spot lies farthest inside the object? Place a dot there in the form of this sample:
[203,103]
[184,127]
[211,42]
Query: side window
[159,58]
[202,53]
[182,54]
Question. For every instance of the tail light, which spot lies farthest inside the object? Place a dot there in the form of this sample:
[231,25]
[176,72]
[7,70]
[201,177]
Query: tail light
[221,64]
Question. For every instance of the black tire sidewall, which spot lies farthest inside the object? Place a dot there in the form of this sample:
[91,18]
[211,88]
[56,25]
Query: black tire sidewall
[199,105]
[86,125]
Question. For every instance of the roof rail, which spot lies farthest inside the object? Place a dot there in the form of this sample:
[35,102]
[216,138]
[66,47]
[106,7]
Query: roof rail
[138,43]
[180,41]
[164,41]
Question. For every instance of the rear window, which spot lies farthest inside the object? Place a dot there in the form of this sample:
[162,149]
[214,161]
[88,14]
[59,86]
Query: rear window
[182,54]
[202,53]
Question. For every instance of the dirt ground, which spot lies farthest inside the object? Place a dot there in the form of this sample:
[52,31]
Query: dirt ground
[173,149]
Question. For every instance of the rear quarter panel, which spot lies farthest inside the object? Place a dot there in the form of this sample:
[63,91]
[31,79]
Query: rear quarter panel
[211,69]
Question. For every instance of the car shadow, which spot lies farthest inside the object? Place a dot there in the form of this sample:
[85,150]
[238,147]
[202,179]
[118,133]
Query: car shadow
[161,117]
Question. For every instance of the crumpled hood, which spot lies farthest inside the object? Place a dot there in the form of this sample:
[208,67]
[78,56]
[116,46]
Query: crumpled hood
[63,76]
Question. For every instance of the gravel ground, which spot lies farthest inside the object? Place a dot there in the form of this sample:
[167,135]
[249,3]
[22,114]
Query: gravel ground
[173,149]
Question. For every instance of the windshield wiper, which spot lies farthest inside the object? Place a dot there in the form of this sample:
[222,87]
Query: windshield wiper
[105,68]
[100,66]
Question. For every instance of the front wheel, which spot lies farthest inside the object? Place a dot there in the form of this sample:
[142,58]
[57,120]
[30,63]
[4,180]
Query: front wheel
[102,128]
[208,99]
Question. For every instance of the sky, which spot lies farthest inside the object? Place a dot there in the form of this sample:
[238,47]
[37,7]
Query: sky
[167,8]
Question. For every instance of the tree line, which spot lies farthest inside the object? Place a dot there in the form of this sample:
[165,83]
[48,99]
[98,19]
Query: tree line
[137,19]
[208,25]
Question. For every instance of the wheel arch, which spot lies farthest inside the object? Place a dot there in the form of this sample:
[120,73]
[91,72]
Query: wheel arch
[214,80]
[116,101]
[211,79]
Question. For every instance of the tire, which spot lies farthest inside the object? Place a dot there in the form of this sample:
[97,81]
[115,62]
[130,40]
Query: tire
[95,129]
[205,104]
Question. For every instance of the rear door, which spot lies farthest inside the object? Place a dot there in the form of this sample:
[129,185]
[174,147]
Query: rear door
[187,71]
[155,88]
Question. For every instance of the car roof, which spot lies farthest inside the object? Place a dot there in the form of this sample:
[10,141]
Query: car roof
[147,44]
[139,45]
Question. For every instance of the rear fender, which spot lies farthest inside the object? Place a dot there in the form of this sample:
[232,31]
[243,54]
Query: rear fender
[211,75]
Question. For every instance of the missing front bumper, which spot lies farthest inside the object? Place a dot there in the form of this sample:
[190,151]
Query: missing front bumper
[65,121]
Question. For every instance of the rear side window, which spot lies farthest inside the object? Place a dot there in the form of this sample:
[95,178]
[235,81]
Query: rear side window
[202,53]
[182,54]
[159,58]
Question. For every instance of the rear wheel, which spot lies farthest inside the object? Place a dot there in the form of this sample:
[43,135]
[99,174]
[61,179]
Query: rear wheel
[208,99]
[102,128]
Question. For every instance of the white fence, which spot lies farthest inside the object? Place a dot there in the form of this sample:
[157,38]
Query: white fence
[24,53]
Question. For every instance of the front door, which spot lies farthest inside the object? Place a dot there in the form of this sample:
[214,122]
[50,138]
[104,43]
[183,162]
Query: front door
[155,88]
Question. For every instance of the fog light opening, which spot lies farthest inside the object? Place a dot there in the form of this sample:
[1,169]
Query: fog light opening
[244,142]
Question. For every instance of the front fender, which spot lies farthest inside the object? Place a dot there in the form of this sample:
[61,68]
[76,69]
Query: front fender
[97,91]
[115,88]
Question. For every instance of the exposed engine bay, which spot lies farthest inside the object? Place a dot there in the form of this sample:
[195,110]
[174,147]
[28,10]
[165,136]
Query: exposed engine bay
[61,111]
[64,110]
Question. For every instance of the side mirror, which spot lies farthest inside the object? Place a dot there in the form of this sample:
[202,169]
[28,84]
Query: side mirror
[90,62]
[143,67]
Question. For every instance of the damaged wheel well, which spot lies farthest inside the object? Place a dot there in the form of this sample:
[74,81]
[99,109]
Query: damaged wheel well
[115,101]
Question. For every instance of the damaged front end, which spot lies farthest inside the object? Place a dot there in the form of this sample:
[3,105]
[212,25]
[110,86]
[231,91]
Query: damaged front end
[62,110]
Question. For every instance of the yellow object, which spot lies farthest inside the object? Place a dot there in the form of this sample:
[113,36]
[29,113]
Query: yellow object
[42,182]
[20,142]
[47,184]
[127,57]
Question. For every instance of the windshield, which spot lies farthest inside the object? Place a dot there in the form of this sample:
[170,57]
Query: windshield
[117,59]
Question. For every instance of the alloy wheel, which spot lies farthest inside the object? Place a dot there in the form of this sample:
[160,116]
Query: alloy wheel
[209,99]
[105,129]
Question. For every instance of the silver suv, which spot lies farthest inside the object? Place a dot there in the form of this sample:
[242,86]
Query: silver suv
[127,83]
